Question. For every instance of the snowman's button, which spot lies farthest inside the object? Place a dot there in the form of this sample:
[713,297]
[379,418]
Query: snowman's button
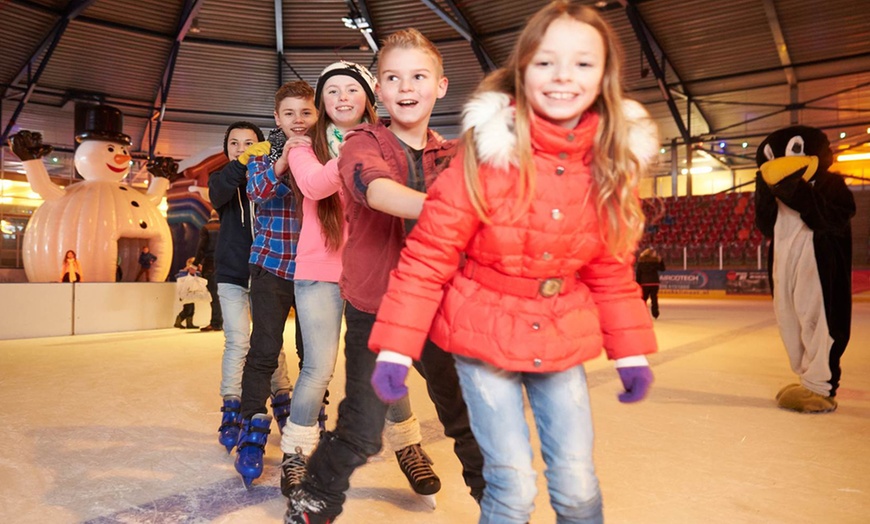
[135,204]
[143,225]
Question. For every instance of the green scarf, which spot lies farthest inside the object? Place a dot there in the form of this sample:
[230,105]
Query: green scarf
[334,138]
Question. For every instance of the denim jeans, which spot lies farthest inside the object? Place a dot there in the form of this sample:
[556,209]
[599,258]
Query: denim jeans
[560,405]
[319,307]
[236,306]
[358,432]
[272,297]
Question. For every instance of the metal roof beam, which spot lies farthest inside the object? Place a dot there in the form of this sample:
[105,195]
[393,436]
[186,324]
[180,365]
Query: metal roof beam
[359,17]
[651,49]
[188,13]
[46,49]
[784,58]
[462,26]
[279,39]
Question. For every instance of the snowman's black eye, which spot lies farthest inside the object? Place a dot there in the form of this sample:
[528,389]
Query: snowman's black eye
[111,149]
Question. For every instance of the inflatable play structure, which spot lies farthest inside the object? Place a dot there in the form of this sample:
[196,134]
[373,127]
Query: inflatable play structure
[104,221]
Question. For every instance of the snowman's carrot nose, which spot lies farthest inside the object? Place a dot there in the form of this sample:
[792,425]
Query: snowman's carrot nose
[122,159]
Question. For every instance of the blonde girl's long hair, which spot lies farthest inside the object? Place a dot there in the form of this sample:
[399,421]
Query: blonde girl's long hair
[615,169]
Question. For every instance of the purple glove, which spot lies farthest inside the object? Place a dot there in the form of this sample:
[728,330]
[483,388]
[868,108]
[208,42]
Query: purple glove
[636,380]
[388,380]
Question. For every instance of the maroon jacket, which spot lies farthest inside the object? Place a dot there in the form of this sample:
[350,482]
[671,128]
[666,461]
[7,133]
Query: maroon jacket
[375,239]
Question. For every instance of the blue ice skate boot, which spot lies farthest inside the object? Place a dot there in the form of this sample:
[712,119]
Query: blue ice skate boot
[252,443]
[231,422]
[281,408]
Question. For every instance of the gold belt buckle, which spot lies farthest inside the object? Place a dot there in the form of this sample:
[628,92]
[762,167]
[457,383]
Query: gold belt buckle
[550,287]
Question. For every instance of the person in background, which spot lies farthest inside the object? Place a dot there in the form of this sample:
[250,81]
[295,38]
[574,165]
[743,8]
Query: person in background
[71,269]
[189,286]
[647,273]
[146,258]
[205,249]
[541,202]
[227,193]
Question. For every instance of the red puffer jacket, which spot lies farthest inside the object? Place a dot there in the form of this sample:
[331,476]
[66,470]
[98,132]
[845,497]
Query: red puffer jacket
[506,306]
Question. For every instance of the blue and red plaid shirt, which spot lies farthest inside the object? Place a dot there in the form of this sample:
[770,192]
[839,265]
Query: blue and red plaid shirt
[276,227]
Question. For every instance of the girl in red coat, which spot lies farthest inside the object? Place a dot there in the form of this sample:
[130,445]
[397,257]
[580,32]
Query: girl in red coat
[543,203]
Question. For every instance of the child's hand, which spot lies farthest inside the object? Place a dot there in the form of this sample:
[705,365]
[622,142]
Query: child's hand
[388,379]
[258,149]
[636,380]
[296,141]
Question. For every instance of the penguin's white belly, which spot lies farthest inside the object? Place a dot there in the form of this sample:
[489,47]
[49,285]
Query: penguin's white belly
[798,297]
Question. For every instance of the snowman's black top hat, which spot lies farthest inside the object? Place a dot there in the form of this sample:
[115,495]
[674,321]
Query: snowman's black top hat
[103,123]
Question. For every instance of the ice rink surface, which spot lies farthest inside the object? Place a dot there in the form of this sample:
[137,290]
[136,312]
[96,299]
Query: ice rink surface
[122,428]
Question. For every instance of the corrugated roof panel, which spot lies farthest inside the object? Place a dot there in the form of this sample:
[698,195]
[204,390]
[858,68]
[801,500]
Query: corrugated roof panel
[496,16]
[309,64]
[251,22]
[22,29]
[106,60]
[464,74]
[181,140]
[844,29]
[58,5]
[154,15]
[300,17]
[705,40]
[392,15]
[55,124]
[223,79]
[840,100]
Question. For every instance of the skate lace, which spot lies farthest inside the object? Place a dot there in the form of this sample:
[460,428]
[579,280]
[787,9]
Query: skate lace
[416,463]
[294,466]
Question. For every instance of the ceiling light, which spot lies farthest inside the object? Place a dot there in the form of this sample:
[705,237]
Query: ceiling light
[745,145]
[843,135]
[852,157]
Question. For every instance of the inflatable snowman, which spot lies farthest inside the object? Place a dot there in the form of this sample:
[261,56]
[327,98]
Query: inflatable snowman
[105,222]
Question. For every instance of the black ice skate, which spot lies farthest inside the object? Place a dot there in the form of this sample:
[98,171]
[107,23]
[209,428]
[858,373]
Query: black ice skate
[417,467]
[292,470]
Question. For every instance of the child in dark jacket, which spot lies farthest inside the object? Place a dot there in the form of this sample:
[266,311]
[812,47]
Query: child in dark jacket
[229,197]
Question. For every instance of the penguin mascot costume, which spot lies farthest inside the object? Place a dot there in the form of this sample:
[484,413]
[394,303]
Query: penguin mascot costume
[805,210]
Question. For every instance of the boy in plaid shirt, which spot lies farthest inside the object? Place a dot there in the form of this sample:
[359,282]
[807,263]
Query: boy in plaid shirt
[272,264]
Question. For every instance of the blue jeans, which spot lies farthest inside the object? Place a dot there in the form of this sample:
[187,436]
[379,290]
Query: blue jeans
[560,404]
[319,307]
[235,304]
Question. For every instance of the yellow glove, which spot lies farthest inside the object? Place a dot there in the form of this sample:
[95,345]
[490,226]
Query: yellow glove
[258,149]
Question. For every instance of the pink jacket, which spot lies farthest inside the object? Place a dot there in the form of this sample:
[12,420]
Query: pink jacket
[496,309]
[316,182]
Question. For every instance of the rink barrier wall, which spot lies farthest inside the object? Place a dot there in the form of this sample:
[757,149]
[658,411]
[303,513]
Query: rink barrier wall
[56,309]
[742,283]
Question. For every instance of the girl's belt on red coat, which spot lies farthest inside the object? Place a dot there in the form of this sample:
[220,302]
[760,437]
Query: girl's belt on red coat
[519,286]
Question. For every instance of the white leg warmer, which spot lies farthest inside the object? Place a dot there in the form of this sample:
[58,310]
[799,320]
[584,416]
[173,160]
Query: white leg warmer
[400,435]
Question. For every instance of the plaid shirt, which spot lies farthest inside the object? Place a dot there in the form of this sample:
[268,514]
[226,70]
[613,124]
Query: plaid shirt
[276,227]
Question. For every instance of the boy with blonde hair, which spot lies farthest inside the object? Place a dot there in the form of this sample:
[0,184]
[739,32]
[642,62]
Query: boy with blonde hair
[386,169]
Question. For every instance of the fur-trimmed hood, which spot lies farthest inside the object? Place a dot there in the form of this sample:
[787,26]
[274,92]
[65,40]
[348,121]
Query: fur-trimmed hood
[491,114]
